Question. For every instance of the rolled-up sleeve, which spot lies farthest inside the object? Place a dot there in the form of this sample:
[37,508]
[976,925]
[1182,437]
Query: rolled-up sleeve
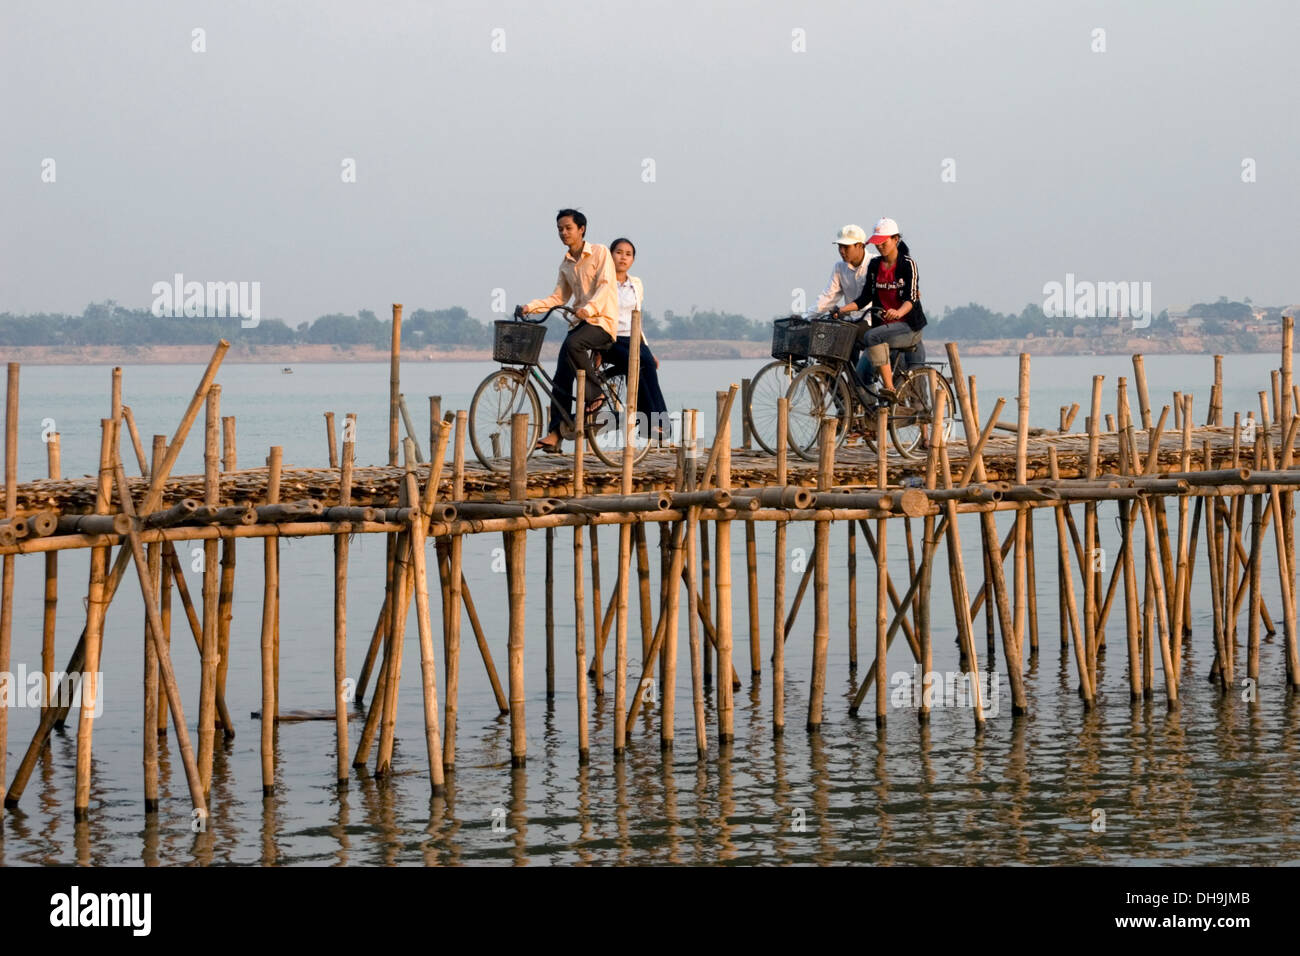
[558,297]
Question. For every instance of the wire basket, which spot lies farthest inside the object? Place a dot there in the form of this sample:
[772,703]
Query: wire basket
[790,338]
[517,343]
[832,339]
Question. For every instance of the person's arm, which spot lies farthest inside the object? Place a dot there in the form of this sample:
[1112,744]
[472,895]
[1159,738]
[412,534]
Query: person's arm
[832,294]
[561,295]
[868,291]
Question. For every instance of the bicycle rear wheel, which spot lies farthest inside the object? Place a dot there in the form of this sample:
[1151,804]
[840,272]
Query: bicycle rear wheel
[606,431]
[770,384]
[817,392]
[911,420]
[500,396]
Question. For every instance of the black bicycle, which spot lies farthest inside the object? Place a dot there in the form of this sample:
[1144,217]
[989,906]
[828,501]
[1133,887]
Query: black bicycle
[513,389]
[831,388]
[773,380]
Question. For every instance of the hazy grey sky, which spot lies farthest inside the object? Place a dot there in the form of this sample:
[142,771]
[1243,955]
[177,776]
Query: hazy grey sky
[226,165]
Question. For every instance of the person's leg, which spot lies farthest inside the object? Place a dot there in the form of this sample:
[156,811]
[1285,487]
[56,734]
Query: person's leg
[614,358]
[577,347]
[650,397]
[561,392]
[879,340]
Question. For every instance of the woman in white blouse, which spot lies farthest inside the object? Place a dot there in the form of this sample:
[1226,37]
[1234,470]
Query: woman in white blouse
[631,294]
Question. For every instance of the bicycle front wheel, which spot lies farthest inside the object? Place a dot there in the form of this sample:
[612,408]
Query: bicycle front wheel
[498,398]
[911,420]
[817,392]
[770,384]
[607,432]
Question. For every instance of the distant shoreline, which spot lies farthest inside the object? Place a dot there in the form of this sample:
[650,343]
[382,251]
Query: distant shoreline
[673,350]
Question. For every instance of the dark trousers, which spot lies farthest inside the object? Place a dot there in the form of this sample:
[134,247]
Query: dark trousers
[575,354]
[649,397]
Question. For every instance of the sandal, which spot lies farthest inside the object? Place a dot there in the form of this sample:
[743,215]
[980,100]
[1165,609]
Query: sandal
[594,406]
[551,448]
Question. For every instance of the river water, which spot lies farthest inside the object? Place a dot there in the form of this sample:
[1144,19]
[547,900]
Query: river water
[1215,782]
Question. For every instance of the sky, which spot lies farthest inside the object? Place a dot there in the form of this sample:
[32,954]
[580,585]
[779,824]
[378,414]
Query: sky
[1014,143]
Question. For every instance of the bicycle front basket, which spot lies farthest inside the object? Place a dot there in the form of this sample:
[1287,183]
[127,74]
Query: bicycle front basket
[790,338]
[832,339]
[517,343]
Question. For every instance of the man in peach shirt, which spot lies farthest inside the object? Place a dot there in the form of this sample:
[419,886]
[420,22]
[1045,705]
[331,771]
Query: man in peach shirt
[587,277]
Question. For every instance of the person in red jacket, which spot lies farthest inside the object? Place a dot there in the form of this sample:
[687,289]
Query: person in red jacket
[894,285]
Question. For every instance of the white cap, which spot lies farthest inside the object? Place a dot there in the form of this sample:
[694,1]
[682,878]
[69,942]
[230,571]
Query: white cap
[851,235]
[884,229]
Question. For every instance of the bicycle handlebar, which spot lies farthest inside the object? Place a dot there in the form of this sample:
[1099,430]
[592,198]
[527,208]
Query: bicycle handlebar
[538,317]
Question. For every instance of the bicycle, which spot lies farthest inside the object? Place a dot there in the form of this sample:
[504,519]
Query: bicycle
[831,387]
[511,390]
[772,381]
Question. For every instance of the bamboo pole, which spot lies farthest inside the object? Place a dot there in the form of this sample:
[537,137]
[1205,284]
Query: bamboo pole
[519,434]
[270,609]
[722,542]
[975,468]
[550,615]
[51,600]
[54,716]
[165,597]
[882,573]
[579,609]
[1126,562]
[929,539]
[7,574]
[1286,581]
[643,590]
[671,595]
[598,659]
[853,594]
[149,731]
[957,575]
[211,592]
[778,570]
[1090,610]
[1020,567]
[692,607]
[409,424]
[331,439]
[394,383]
[1067,583]
[341,548]
[96,606]
[403,590]
[198,801]
[428,661]
[226,589]
[821,577]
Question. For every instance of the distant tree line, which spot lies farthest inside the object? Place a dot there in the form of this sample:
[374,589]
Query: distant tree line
[108,323]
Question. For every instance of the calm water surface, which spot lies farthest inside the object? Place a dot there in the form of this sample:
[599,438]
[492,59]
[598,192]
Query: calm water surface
[1215,782]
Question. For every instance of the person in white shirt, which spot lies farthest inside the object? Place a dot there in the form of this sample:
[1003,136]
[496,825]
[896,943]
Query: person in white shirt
[631,295]
[850,272]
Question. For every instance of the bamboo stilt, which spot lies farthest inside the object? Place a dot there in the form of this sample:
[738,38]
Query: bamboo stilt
[722,543]
[211,593]
[270,588]
[342,545]
[519,434]
[51,602]
[778,584]
[7,575]
[821,578]
[97,604]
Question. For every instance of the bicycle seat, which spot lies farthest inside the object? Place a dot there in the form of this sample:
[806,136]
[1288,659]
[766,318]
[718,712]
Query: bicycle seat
[905,348]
